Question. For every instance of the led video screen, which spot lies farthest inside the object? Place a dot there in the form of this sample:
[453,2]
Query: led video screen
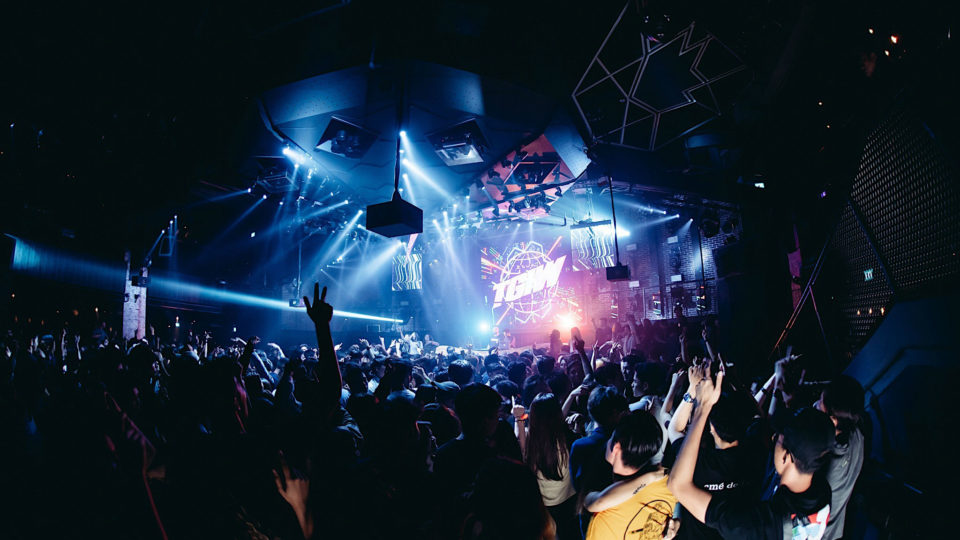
[527,282]
[407,272]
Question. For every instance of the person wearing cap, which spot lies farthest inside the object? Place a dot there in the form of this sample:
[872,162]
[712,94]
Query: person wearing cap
[799,508]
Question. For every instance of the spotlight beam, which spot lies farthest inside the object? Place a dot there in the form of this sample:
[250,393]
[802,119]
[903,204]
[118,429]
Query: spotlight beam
[48,263]
[412,167]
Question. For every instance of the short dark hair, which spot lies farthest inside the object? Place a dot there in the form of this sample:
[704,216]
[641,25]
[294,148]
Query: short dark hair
[353,376]
[474,403]
[517,372]
[808,437]
[640,437]
[506,388]
[632,360]
[605,405]
[461,372]
[546,365]
[655,376]
[608,374]
[535,384]
[843,399]
[732,415]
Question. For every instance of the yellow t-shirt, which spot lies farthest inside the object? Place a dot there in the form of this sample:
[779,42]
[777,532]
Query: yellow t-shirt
[642,517]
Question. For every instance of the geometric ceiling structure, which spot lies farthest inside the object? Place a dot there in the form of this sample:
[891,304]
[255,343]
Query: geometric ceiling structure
[344,126]
[643,92]
[528,181]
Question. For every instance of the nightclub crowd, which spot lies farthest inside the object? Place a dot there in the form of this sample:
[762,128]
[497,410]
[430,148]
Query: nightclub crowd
[634,437]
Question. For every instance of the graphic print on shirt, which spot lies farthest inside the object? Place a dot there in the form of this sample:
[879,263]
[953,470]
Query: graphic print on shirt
[650,521]
[810,527]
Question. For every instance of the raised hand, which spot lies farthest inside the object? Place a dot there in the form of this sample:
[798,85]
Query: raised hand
[695,374]
[320,311]
[294,489]
[708,393]
[517,410]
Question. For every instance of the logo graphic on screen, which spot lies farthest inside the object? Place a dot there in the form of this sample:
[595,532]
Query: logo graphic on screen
[528,282]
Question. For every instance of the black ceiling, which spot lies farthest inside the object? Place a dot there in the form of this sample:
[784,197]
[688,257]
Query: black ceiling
[122,113]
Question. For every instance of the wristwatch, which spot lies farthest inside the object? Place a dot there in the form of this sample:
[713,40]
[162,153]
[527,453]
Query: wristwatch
[688,398]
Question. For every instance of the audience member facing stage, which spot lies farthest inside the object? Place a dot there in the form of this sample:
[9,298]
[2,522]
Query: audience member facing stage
[729,463]
[369,424]
[589,468]
[843,401]
[545,444]
[801,505]
[641,502]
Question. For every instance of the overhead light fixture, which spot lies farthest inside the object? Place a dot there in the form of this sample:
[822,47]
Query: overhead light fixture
[346,139]
[395,217]
[462,144]
[275,174]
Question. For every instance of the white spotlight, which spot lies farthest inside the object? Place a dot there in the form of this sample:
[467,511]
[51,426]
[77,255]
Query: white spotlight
[264,197]
[403,133]
[253,235]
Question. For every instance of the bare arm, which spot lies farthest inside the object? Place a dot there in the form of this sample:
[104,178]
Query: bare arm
[694,499]
[571,399]
[520,426]
[681,417]
[327,370]
[706,343]
[676,384]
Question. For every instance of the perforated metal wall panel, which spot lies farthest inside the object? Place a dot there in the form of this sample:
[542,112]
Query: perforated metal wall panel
[908,198]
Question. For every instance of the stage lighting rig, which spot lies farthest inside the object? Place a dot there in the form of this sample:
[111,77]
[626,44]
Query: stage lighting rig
[462,144]
[396,217]
[275,175]
[345,139]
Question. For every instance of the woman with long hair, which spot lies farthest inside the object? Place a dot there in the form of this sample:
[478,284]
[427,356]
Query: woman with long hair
[546,451]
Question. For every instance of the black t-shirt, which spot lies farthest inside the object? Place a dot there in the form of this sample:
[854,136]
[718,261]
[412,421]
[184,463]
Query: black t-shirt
[735,471]
[793,516]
